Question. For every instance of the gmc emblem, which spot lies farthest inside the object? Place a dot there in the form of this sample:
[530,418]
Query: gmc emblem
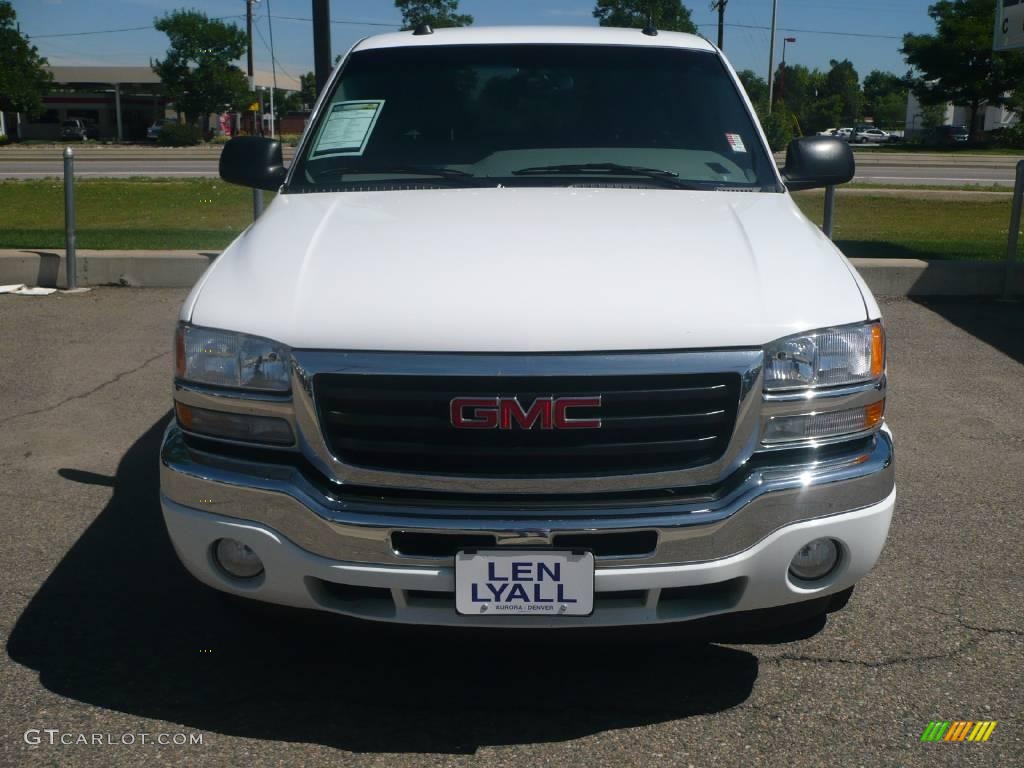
[507,413]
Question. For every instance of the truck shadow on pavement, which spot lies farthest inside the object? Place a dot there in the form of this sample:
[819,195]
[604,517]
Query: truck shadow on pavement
[996,323]
[119,624]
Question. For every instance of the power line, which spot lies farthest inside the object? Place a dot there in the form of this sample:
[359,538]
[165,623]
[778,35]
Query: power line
[212,18]
[345,21]
[808,31]
[271,50]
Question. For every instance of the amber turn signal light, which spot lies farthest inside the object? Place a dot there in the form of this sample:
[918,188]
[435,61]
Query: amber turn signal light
[877,350]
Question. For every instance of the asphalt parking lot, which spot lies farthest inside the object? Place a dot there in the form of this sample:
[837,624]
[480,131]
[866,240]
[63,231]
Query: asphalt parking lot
[105,633]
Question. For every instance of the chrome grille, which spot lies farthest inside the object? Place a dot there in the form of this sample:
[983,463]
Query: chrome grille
[650,423]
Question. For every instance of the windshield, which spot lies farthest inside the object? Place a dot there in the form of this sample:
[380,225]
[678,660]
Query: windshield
[533,115]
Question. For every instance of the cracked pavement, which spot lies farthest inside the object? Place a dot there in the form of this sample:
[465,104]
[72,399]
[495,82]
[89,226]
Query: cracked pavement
[104,632]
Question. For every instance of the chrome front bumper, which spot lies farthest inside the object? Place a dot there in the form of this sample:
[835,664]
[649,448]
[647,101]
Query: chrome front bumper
[760,499]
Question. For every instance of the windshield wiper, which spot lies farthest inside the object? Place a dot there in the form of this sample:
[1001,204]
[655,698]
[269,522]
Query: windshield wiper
[667,178]
[419,170]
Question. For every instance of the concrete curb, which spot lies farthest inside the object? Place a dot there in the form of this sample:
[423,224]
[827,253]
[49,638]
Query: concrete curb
[916,277]
[143,269]
[181,269]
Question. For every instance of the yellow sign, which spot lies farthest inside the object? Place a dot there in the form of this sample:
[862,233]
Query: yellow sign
[254,107]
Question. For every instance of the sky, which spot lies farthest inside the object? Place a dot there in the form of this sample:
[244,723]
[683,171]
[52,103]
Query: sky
[869,31]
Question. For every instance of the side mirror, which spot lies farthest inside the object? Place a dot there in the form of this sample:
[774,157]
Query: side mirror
[253,161]
[818,161]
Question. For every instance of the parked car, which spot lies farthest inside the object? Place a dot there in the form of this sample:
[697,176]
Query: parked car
[870,135]
[946,135]
[501,353]
[153,131]
[843,133]
[79,129]
[828,132]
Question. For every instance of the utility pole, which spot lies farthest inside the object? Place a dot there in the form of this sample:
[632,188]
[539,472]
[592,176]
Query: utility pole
[771,57]
[321,43]
[273,75]
[248,33]
[719,5]
[257,194]
[248,60]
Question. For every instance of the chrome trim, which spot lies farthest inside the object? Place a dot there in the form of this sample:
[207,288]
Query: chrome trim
[247,401]
[811,395]
[763,500]
[243,403]
[748,363]
[838,399]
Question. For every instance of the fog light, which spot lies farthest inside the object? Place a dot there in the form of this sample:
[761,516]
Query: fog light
[815,560]
[238,559]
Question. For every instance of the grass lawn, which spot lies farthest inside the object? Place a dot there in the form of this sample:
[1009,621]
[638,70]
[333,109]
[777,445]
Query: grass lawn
[915,227]
[205,214]
[187,214]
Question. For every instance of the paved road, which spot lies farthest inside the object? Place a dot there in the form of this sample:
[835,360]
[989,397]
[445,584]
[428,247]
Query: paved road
[104,632]
[935,176]
[933,170]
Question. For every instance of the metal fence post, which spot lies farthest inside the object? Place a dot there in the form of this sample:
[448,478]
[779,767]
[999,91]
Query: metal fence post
[257,203]
[830,210]
[70,256]
[1011,246]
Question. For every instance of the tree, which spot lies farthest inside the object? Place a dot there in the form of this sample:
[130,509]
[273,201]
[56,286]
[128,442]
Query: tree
[307,88]
[287,101]
[826,112]
[436,13]
[885,98]
[843,81]
[957,64]
[669,15]
[755,86]
[779,127]
[798,87]
[199,75]
[23,77]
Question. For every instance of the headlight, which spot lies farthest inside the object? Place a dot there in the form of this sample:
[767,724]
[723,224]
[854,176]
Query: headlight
[830,357]
[228,359]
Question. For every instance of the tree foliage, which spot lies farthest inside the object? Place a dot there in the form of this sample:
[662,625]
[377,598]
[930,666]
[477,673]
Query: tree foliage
[756,88]
[885,97]
[668,15]
[436,13]
[818,100]
[957,64]
[198,74]
[307,88]
[843,81]
[779,127]
[23,77]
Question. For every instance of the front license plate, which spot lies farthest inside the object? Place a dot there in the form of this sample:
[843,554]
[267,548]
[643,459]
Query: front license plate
[524,583]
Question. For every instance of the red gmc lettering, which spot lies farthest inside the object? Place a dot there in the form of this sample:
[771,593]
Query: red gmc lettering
[484,413]
[508,413]
[540,410]
[562,406]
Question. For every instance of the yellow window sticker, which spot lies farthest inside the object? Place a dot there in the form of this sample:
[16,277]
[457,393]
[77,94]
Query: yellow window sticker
[348,128]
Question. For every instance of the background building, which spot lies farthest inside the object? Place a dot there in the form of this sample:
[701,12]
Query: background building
[121,101]
[993,117]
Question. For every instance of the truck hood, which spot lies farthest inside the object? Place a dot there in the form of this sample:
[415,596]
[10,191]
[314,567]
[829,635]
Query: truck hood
[528,270]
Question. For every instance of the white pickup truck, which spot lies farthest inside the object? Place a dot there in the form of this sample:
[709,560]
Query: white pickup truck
[532,335]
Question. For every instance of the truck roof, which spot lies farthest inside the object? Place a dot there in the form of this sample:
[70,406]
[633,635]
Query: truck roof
[565,35]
